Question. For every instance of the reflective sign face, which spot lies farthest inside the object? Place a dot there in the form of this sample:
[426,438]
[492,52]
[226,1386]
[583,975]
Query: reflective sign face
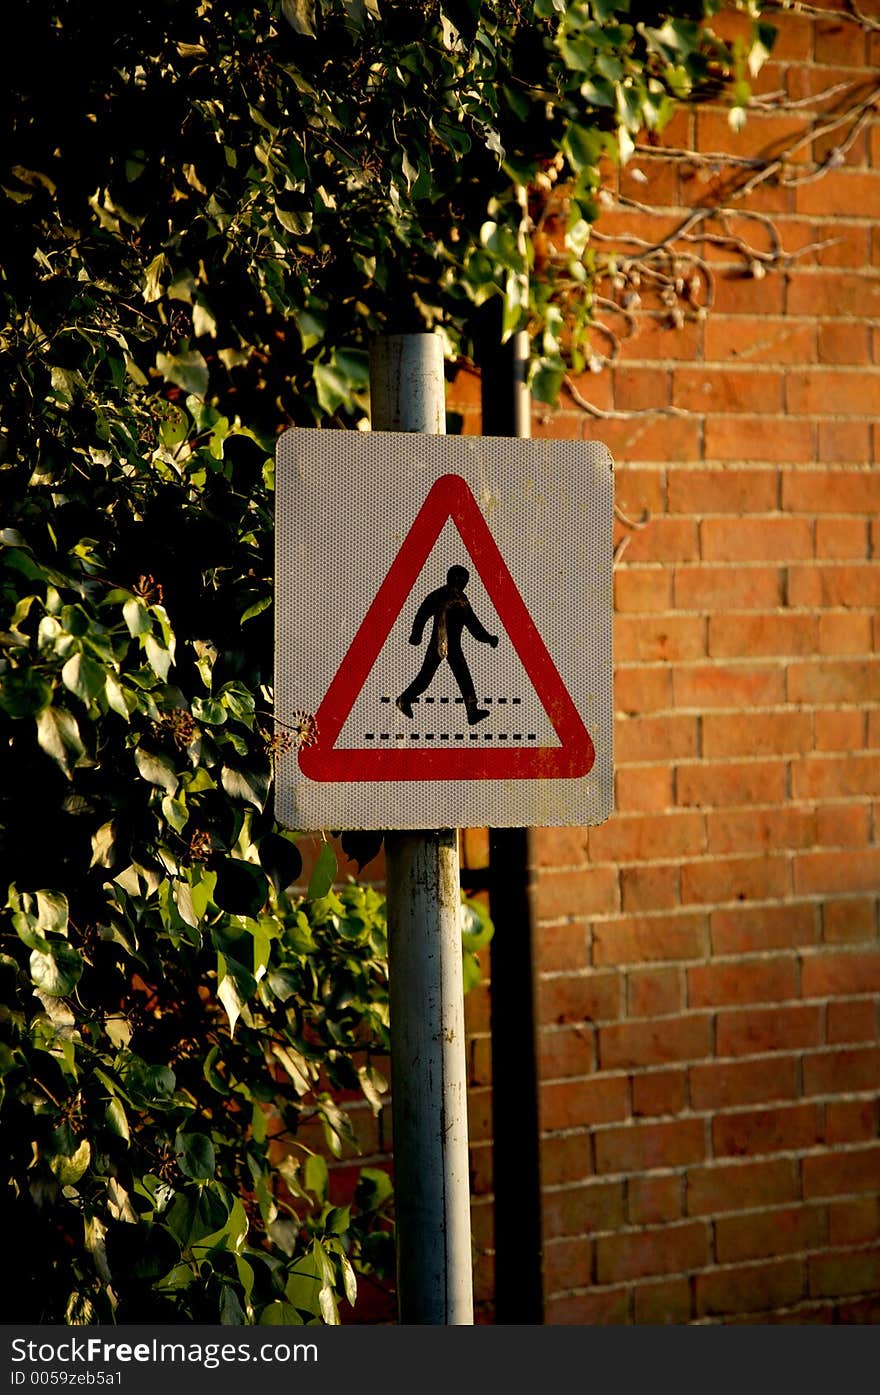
[443,627]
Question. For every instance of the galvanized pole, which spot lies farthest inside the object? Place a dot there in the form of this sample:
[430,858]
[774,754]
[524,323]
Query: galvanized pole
[428,1071]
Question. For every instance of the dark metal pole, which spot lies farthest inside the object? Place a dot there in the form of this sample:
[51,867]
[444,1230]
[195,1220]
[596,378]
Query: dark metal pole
[519,1289]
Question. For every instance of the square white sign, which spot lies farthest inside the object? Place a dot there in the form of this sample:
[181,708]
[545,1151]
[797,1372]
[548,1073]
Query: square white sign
[443,631]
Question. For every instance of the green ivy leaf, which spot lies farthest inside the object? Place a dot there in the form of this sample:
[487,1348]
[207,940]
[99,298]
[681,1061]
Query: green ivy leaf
[24,693]
[188,371]
[56,970]
[323,873]
[58,735]
[241,887]
[195,1156]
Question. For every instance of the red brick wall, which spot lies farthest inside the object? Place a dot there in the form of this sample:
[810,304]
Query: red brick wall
[709,957]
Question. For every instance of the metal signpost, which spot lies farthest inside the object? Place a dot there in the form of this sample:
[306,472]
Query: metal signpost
[443,617]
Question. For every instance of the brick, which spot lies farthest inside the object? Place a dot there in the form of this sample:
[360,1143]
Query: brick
[567,1264]
[642,837]
[850,1121]
[642,738]
[770,829]
[741,1186]
[653,1200]
[563,895]
[582,997]
[636,490]
[727,685]
[750,1289]
[852,1021]
[559,847]
[666,1302]
[839,731]
[837,871]
[845,632]
[563,947]
[759,340]
[848,920]
[835,975]
[672,637]
[839,42]
[854,1222]
[718,784]
[831,491]
[846,244]
[755,539]
[650,938]
[479,1116]
[835,777]
[755,1030]
[733,390]
[843,825]
[654,992]
[843,342]
[848,192]
[778,1129]
[642,589]
[741,293]
[639,1147]
[726,1084]
[649,887]
[654,1042]
[666,1249]
[724,587]
[744,930]
[658,1092]
[565,1104]
[596,1308]
[842,1071]
[764,136]
[757,1235]
[575,1210]
[756,733]
[734,879]
[742,981]
[595,387]
[644,787]
[566,1051]
[654,338]
[647,439]
[833,294]
[731,636]
[842,1171]
[837,681]
[844,442]
[641,389]
[835,585]
[565,1158]
[663,539]
[755,438]
[794,39]
[840,539]
[853,1271]
[816,391]
[641,690]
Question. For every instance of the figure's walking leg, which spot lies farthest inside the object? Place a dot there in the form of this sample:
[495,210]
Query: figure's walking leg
[458,664]
[422,680]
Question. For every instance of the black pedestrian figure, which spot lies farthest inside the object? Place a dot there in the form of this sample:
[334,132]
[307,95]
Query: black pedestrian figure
[451,612]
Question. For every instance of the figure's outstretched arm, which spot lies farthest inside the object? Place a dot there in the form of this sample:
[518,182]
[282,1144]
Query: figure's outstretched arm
[477,630]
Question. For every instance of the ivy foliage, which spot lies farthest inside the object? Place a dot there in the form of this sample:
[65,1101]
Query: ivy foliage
[209,206]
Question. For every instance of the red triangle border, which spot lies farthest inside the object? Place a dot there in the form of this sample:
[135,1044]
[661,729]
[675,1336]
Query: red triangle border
[448,498]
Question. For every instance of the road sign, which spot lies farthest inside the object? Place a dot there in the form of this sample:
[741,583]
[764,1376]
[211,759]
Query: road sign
[443,631]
